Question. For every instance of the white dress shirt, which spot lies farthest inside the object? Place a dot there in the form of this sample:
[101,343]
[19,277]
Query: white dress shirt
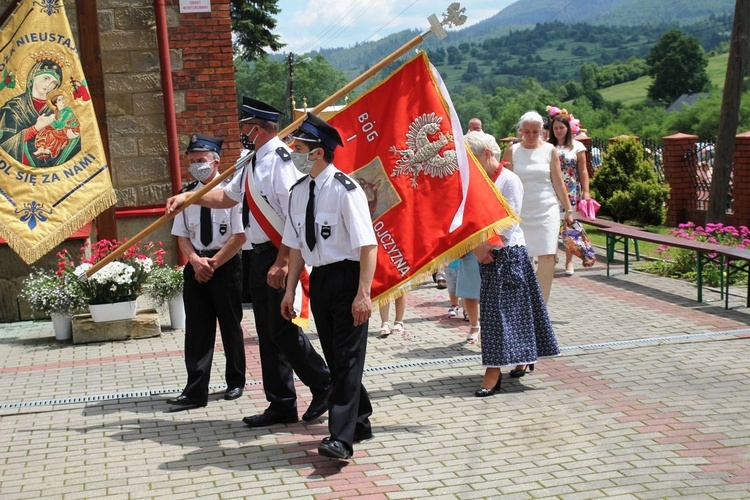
[225,221]
[342,219]
[511,188]
[274,177]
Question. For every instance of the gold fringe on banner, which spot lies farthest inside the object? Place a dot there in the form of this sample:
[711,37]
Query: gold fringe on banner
[458,251]
[80,219]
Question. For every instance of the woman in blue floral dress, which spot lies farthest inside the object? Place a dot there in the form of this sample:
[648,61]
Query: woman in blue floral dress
[572,155]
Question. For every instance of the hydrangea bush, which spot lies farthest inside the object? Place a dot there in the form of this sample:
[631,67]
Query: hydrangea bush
[120,280]
[681,263]
[47,293]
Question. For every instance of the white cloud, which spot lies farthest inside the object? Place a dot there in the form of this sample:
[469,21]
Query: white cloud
[306,25]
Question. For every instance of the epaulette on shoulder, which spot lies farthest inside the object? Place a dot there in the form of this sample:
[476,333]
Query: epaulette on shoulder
[345,180]
[189,187]
[299,181]
[283,153]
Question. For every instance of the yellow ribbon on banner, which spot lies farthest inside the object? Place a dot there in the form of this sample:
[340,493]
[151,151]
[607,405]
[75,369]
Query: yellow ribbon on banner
[54,176]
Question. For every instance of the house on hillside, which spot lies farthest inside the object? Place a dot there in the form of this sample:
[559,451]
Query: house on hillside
[685,100]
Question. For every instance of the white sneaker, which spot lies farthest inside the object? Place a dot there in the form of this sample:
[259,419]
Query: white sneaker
[453,311]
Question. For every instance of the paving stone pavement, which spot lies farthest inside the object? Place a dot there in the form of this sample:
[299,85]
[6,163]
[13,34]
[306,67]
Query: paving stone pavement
[647,400]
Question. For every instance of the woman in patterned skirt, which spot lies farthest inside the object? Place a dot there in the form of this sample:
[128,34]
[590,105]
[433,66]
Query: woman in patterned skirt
[516,329]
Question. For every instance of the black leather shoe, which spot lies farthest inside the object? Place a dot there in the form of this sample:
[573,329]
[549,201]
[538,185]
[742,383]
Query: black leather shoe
[318,406]
[334,448]
[233,393]
[269,417]
[362,435]
[185,403]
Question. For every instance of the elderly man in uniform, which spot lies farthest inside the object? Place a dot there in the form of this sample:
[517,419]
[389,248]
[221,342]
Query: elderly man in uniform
[329,228]
[210,239]
[284,347]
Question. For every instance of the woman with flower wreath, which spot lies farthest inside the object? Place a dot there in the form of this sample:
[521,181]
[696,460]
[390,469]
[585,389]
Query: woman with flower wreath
[572,155]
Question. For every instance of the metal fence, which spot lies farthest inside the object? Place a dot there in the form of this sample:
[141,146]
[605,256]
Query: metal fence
[652,150]
[699,162]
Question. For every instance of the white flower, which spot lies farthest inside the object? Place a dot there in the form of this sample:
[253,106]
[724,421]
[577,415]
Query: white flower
[146,263]
[114,271]
[82,268]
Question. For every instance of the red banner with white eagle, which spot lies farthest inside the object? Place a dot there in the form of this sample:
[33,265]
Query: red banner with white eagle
[430,200]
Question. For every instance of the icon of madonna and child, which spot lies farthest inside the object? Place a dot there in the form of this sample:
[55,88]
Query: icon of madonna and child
[38,128]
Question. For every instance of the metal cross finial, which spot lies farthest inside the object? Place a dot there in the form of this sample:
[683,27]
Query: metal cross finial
[454,16]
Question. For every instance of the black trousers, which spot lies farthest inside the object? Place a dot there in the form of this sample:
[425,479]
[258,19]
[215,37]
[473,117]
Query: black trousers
[332,291]
[246,296]
[205,303]
[283,346]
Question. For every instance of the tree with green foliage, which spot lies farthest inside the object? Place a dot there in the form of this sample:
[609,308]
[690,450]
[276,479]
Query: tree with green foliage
[252,25]
[267,81]
[627,187]
[472,72]
[677,64]
[454,56]
[507,105]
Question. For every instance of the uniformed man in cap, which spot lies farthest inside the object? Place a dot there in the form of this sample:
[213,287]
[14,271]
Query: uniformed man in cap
[211,240]
[329,228]
[284,348]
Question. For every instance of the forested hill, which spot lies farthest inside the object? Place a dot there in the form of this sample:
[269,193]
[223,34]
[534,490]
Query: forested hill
[526,14]
[558,52]
[607,12]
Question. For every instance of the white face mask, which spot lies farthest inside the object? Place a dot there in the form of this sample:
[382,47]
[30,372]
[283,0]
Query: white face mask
[302,161]
[201,171]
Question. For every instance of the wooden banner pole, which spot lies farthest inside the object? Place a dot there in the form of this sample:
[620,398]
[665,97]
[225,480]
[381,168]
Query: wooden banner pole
[453,17]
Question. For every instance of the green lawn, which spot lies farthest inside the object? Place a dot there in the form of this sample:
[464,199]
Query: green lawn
[645,248]
[628,93]
[635,92]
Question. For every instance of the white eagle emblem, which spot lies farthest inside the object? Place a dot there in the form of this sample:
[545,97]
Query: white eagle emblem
[423,154]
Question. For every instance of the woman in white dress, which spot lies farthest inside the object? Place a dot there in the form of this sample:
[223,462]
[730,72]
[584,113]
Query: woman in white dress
[537,165]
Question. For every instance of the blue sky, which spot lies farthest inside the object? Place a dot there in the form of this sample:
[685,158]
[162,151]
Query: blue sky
[306,25]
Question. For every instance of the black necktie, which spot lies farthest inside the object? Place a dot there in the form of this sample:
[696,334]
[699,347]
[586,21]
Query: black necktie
[207,233]
[310,217]
[245,211]
[245,207]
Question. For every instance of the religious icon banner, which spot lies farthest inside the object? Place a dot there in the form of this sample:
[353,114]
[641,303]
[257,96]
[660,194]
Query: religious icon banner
[54,176]
[430,200]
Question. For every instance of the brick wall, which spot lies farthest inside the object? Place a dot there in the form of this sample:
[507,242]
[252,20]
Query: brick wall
[206,78]
[135,113]
[741,181]
[682,191]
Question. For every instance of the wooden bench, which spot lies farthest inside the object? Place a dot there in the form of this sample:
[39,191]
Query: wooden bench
[604,223]
[725,256]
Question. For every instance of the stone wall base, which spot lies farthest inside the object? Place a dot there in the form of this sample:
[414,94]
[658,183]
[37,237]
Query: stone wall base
[144,325]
